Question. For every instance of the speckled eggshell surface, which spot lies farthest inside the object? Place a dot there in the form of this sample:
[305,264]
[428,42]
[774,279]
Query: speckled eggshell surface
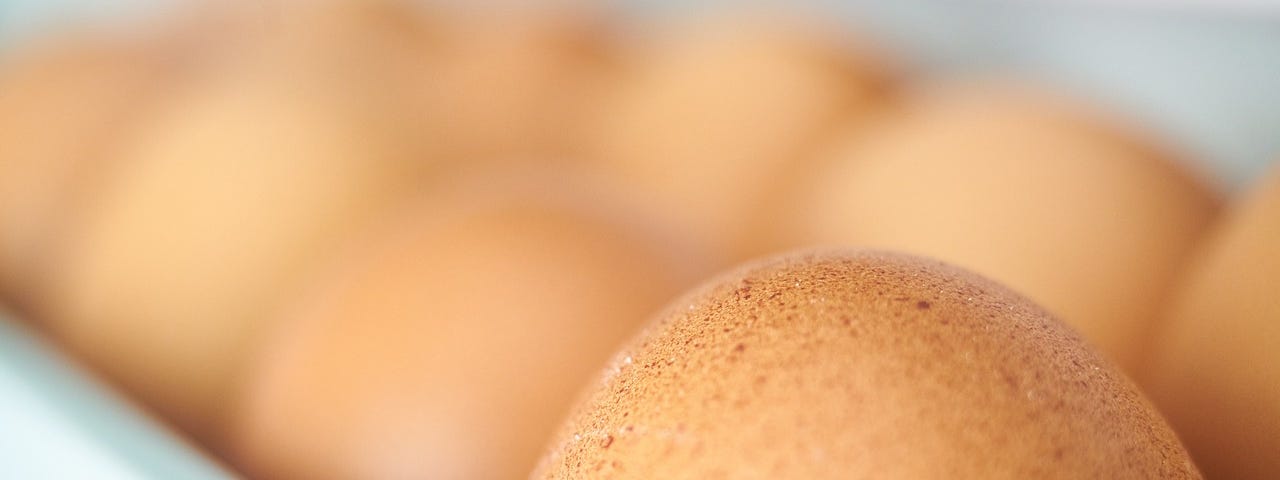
[860,365]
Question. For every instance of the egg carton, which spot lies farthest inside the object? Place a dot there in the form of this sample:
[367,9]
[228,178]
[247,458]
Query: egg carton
[56,421]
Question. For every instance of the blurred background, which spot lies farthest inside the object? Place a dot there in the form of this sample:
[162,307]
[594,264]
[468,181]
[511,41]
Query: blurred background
[315,239]
[1190,69]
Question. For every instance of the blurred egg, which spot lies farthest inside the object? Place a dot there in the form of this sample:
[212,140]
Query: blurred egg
[374,54]
[450,347]
[712,120]
[1214,368]
[483,85]
[63,106]
[1032,190]
[224,200]
[860,365]
[509,85]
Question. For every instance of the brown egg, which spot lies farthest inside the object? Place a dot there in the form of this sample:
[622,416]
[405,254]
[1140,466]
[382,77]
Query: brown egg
[223,202]
[63,106]
[514,85]
[1024,187]
[1214,368]
[860,365]
[451,346]
[482,85]
[374,54]
[713,120]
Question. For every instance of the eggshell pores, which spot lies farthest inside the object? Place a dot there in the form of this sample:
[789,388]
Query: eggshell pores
[860,365]
[1214,369]
[1026,188]
[713,121]
[451,349]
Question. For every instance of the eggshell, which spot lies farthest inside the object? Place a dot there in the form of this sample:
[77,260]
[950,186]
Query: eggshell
[484,86]
[372,54]
[224,201]
[712,119]
[451,346]
[1214,368]
[63,105]
[1037,191]
[860,365]
[515,85]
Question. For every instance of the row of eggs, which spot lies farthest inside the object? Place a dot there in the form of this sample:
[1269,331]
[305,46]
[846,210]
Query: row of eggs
[362,241]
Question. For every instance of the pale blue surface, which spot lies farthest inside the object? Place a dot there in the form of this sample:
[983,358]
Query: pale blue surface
[56,423]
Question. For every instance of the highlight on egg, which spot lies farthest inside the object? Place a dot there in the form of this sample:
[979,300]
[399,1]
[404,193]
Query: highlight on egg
[451,345]
[860,364]
[1214,367]
[1037,191]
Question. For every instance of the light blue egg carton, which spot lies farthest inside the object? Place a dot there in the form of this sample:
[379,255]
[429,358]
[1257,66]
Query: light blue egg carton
[56,422]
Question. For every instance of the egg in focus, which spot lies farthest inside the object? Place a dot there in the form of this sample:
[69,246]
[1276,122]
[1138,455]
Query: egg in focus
[864,365]
[249,218]
[1033,190]
[1214,368]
